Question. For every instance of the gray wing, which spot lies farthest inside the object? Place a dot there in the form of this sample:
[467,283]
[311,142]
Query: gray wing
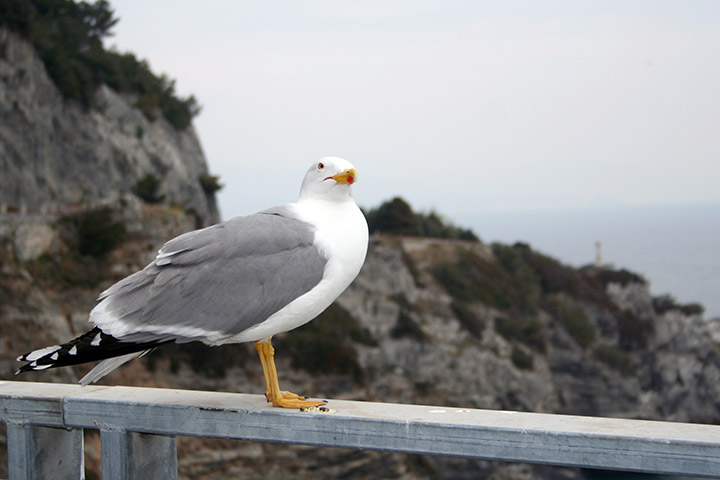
[221,279]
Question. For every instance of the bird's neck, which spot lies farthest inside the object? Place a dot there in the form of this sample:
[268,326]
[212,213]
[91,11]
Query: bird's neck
[340,197]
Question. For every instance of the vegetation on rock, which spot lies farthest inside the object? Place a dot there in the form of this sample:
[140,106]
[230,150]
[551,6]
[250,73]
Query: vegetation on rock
[406,327]
[467,317]
[607,276]
[210,184]
[527,330]
[666,303]
[68,36]
[633,331]
[396,216]
[470,278]
[147,188]
[88,237]
[97,232]
[615,358]
[521,359]
[326,344]
[573,318]
[520,283]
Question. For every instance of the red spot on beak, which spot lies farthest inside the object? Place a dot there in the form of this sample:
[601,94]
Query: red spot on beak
[347,177]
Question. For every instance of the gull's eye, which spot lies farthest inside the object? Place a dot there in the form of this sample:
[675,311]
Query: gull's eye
[321,166]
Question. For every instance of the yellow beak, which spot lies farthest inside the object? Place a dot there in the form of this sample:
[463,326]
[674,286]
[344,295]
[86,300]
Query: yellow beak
[348,176]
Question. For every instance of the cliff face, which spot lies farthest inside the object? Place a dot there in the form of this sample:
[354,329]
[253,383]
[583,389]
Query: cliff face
[55,153]
[604,352]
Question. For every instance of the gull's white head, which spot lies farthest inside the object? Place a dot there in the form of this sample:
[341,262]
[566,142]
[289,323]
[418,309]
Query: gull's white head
[329,178]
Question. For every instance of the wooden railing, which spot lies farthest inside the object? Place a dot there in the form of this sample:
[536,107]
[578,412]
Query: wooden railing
[138,429]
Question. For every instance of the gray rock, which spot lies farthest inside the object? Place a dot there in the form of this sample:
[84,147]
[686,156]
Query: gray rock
[55,154]
[33,239]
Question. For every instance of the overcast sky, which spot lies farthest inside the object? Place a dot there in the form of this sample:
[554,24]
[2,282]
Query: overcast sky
[457,106]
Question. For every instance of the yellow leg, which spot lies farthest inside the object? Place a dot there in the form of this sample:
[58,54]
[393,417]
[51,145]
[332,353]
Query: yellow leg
[273,394]
[263,362]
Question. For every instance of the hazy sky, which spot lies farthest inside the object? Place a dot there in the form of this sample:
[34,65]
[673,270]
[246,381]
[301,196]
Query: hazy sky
[458,106]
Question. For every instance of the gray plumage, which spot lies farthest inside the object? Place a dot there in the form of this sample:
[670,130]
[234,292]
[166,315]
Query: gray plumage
[223,279]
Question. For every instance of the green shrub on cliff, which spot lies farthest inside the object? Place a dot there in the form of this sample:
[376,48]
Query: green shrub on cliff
[147,188]
[396,216]
[68,37]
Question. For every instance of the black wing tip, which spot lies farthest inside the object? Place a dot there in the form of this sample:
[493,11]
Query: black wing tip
[28,368]
[33,366]
[92,346]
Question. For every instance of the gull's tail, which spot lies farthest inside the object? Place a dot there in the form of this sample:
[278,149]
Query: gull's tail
[93,346]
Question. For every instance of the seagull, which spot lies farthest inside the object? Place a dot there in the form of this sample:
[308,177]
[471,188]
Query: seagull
[243,280]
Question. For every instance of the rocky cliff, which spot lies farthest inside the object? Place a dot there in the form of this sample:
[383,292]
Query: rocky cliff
[428,321]
[55,153]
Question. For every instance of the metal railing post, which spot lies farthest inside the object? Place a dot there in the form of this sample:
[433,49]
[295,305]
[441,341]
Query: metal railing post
[137,455]
[44,452]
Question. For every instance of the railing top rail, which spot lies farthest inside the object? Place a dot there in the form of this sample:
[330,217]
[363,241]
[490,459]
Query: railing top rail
[594,442]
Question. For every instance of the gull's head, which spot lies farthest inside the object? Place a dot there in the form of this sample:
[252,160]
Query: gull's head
[329,178]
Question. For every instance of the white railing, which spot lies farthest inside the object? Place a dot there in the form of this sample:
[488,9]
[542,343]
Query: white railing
[138,428]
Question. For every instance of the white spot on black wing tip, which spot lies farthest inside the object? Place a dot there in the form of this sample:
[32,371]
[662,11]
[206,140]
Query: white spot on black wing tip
[73,350]
[96,341]
[39,353]
[54,357]
[34,366]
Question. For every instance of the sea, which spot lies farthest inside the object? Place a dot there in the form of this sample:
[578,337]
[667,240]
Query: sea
[675,248]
